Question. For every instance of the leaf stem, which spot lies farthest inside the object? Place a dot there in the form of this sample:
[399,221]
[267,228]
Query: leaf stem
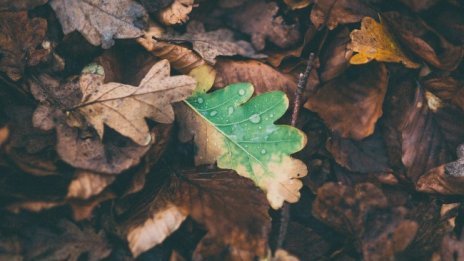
[302,81]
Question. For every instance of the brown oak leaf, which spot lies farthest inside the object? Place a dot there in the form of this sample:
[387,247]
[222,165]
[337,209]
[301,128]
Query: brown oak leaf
[260,20]
[125,107]
[231,208]
[176,13]
[211,44]
[19,41]
[100,21]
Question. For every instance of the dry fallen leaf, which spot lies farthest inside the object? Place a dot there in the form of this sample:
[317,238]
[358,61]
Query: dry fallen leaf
[374,42]
[335,12]
[181,58]
[297,4]
[351,104]
[20,5]
[232,209]
[424,41]
[447,88]
[260,20]
[87,184]
[176,13]
[447,179]
[19,41]
[418,137]
[101,21]
[211,44]
[363,212]
[262,76]
[124,107]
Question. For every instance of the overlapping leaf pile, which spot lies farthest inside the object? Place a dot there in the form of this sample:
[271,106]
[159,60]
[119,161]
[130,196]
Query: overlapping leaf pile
[159,130]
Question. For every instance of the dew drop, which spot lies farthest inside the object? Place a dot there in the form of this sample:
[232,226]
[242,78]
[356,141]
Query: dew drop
[260,127]
[241,92]
[263,151]
[200,100]
[230,110]
[272,115]
[255,118]
[213,113]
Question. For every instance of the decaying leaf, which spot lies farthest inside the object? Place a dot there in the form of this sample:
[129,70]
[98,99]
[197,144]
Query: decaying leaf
[211,44]
[87,184]
[424,41]
[366,156]
[452,247]
[244,138]
[261,75]
[335,12]
[351,104]
[239,223]
[176,13]
[446,88]
[180,58]
[124,107]
[374,42]
[447,179]
[101,21]
[335,56]
[260,20]
[49,238]
[20,5]
[419,138]
[363,211]
[19,39]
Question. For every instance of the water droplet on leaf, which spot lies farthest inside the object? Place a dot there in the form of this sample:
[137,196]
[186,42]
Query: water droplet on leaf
[255,118]
[200,100]
[263,151]
[213,113]
[241,92]
[230,110]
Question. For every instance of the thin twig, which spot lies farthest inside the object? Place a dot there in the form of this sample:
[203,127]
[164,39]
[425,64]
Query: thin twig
[302,81]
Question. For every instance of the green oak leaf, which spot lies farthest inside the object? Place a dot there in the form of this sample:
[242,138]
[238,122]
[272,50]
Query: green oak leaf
[239,133]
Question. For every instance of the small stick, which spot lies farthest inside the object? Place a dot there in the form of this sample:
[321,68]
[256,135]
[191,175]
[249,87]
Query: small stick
[303,79]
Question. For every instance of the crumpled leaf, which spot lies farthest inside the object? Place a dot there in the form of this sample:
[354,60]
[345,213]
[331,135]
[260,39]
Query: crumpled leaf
[363,212]
[447,179]
[245,139]
[352,117]
[210,198]
[260,20]
[63,240]
[374,42]
[424,41]
[211,44]
[446,88]
[452,247]
[19,38]
[335,12]
[418,137]
[87,184]
[176,13]
[124,107]
[101,21]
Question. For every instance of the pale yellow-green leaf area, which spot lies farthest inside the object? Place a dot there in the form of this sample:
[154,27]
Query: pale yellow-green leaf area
[239,133]
[124,108]
[374,42]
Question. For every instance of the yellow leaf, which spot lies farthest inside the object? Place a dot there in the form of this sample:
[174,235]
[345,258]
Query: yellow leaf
[205,76]
[374,42]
